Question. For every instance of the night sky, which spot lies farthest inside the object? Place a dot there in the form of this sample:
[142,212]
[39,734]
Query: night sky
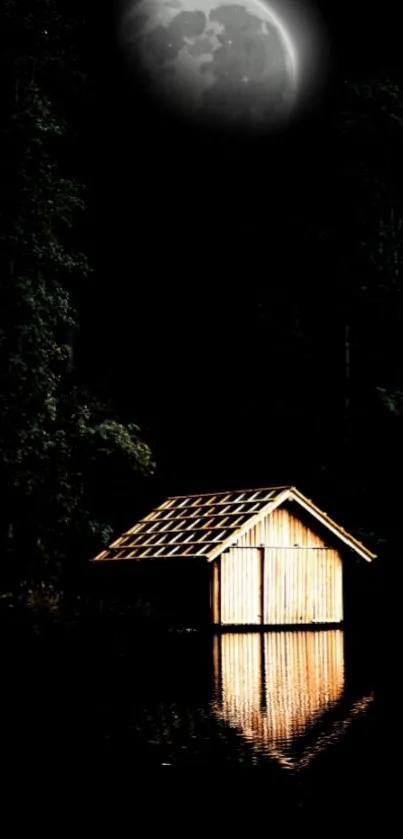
[196,234]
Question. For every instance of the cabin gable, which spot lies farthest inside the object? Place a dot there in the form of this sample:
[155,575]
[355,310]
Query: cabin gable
[281,571]
[283,528]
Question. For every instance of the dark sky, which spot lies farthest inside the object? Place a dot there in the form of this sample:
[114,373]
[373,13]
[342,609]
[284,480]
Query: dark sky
[194,231]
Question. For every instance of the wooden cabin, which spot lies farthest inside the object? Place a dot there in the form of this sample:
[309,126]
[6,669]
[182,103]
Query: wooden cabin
[266,557]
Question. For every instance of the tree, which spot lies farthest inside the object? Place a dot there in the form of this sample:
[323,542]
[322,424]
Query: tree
[52,434]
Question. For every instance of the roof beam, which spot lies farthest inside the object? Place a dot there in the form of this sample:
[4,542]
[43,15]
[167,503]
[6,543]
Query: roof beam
[228,492]
[331,525]
[268,508]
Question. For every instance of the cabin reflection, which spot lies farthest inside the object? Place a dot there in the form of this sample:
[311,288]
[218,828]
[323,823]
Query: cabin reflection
[284,691]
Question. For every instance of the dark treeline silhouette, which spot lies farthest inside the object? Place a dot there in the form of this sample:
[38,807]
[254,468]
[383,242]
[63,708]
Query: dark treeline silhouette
[238,299]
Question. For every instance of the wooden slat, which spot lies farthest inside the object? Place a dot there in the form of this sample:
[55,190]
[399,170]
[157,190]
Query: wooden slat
[261,501]
[192,518]
[185,530]
[206,509]
[217,591]
[269,507]
[261,583]
[229,492]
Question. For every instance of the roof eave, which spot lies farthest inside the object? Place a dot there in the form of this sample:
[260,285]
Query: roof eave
[331,525]
[292,493]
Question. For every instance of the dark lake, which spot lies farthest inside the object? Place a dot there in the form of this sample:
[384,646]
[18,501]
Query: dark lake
[312,708]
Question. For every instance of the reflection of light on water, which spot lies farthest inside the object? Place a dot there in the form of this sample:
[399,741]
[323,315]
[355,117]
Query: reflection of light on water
[304,676]
[337,729]
[281,689]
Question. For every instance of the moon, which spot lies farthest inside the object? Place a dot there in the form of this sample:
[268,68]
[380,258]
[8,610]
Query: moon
[226,64]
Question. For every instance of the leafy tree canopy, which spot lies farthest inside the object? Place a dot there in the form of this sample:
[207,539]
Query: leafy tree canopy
[63,452]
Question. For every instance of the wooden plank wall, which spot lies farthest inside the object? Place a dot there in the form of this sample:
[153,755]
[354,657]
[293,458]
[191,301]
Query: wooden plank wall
[303,586]
[302,578]
[240,573]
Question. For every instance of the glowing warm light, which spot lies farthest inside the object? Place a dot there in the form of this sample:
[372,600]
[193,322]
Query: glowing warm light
[283,691]
[301,578]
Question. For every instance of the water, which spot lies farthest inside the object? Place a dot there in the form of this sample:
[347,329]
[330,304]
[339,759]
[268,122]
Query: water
[285,701]
[287,693]
[314,709]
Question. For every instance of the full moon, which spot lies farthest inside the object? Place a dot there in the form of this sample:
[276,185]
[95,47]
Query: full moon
[226,64]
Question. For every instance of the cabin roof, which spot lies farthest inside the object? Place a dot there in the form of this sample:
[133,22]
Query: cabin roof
[204,526]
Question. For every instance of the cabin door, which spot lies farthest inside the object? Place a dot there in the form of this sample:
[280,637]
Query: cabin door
[240,587]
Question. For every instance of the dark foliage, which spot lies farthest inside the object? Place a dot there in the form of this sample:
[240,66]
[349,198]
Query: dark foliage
[64,450]
[241,300]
